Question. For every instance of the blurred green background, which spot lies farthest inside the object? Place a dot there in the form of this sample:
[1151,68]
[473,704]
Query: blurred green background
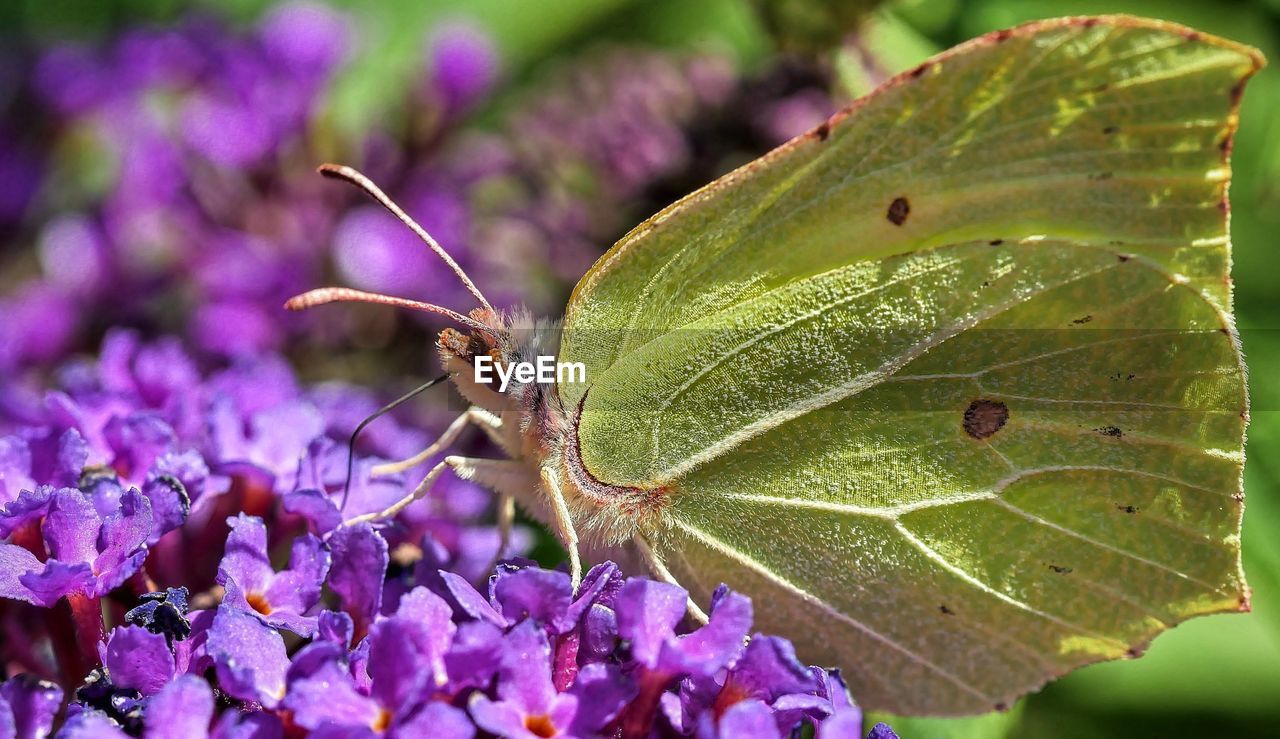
[1217,676]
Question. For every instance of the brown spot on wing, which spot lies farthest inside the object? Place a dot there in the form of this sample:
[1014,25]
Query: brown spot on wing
[898,211]
[984,417]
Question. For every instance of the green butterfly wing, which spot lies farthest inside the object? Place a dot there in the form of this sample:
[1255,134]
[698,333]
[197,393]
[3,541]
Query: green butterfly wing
[949,385]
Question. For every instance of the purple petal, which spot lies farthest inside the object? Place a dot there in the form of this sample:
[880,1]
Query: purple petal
[17,563]
[711,647]
[532,592]
[359,565]
[34,704]
[91,725]
[470,600]
[316,507]
[437,720]
[599,632]
[474,656]
[525,676]
[137,441]
[431,615]
[190,469]
[499,718]
[29,507]
[298,588]
[181,709]
[791,709]
[403,674]
[170,504]
[602,692]
[55,581]
[245,559]
[235,724]
[769,669]
[649,617]
[327,696]
[881,731]
[840,726]
[71,527]
[138,659]
[249,655]
[15,468]
[336,627]
[464,65]
[306,39]
[749,719]
[122,541]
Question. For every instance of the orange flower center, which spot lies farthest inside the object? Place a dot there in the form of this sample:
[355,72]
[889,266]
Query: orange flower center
[259,603]
[540,725]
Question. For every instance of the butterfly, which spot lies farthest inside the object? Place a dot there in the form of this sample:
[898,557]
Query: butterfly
[949,385]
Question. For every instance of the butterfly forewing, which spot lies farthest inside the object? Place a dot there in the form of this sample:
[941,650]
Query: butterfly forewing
[949,385]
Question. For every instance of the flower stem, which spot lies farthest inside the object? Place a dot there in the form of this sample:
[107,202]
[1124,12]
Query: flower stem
[637,720]
[86,614]
[74,659]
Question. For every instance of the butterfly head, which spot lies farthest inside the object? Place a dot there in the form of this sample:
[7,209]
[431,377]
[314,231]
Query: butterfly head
[484,361]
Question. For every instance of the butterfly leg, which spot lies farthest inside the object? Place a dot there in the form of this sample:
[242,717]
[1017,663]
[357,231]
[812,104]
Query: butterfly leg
[660,572]
[474,416]
[464,467]
[564,525]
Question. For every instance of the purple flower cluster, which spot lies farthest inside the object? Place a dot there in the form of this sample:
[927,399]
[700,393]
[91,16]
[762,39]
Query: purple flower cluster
[121,488]
[178,179]
[173,558]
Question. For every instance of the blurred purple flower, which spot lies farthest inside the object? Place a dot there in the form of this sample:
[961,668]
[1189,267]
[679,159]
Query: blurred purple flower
[462,66]
[183,708]
[28,707]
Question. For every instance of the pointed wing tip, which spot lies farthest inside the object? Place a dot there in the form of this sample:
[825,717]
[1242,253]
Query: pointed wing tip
[1119,20]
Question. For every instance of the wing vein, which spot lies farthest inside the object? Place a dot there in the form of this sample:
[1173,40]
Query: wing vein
[719,546]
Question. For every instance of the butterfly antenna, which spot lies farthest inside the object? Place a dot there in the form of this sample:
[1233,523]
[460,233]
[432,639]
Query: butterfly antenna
[354,177]
[323,295]
[351,443]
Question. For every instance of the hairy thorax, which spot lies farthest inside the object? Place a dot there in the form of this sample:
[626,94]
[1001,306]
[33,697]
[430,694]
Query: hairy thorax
[539,431]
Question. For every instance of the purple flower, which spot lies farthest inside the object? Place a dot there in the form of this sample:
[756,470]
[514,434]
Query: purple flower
[249,657]
[91,724]
[281,599]
[360,561]
[649,623]
[463,65]
[89,554]
[307,39]
[528,705]
[138,659]
[405,663]
[183,708]
[28,707]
